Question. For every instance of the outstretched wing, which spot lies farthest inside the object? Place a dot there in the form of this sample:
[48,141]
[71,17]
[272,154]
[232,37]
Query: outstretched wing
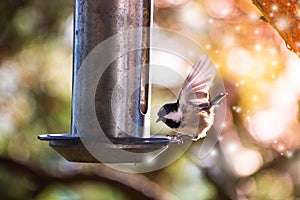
[195,88]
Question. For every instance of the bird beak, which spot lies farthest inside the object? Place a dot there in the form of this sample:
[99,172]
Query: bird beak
[159,119]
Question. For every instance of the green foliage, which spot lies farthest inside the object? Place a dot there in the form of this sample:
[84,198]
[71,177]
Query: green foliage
[24,21]
[80,191]
[14,186]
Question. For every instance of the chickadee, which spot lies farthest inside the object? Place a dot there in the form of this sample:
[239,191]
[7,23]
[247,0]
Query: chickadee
[193,113]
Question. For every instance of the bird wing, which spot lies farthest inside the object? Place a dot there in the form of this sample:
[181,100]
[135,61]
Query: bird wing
[195,88]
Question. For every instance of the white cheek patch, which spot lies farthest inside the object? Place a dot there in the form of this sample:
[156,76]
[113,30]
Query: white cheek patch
[176,116]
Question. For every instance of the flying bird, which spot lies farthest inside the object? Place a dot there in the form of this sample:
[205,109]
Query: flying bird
[192,115]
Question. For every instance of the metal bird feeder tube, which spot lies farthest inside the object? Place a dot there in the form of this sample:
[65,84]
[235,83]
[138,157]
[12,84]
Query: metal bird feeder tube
[94,22]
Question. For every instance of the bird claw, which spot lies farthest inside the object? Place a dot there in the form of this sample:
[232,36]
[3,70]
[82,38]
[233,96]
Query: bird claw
[178,138]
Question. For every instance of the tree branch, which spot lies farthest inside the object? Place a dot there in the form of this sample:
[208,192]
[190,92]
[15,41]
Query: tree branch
[134,186]
[283,15]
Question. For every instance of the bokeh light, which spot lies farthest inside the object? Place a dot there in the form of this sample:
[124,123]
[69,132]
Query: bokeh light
[219,8]
[266,126]
[246,162]
[240,60]
[169,3]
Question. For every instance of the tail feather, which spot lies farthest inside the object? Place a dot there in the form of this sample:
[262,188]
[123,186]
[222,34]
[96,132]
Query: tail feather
[216,101]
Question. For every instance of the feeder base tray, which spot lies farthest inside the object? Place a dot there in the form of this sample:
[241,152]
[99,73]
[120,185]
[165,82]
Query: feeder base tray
[73,149]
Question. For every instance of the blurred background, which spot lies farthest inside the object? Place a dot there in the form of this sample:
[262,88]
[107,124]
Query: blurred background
[257,154]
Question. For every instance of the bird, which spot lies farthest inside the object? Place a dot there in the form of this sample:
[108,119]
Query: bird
[192,115]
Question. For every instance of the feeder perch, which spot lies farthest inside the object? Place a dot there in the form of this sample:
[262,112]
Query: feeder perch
[94,22]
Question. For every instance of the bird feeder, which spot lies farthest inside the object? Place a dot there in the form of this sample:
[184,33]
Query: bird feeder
[95,21]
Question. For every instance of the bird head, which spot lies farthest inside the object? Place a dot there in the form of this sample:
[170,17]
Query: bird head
[161,114]
[169,114]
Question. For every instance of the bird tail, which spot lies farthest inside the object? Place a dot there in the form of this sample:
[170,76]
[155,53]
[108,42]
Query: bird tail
[216,101]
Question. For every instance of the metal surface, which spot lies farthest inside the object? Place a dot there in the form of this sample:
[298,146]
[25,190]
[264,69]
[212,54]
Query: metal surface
[73,149]
[94,22]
